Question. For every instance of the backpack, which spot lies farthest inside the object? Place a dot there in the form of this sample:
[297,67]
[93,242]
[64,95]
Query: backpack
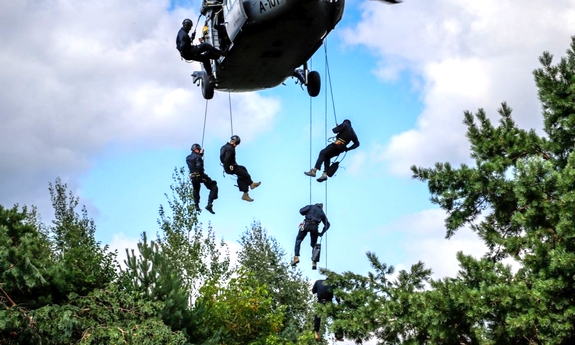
[316,252]
[332,169]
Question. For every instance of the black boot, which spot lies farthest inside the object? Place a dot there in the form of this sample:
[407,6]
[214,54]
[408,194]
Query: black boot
[210,209]
[198,208]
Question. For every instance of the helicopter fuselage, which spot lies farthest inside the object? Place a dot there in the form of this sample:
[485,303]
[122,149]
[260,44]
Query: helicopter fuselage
[266,40]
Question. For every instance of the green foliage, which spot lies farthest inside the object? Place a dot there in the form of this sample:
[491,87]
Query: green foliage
[519,199]
[56,284]
[522,185]
[105,316]
[263,256]
[82,264]
[25,259]
[240,312]
[194,254]
[151,276]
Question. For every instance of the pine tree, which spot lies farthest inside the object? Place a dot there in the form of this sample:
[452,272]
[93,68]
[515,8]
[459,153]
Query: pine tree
[519,197]
[57,284]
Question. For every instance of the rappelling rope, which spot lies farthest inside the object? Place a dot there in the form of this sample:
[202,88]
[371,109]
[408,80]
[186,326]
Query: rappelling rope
[328,74]
[329,81]
[231,118]
[310,147]
[205,118]
[325,135]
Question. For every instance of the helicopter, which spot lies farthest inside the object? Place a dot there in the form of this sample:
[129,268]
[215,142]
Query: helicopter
[266,42]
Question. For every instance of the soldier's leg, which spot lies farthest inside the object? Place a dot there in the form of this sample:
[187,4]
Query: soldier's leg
[211,51]
[212,186]
[196,185]
[321,158]
[298,240]
[243,175]
[313,235]
[316,325]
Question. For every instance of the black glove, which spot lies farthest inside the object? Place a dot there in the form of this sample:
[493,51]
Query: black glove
[193,36]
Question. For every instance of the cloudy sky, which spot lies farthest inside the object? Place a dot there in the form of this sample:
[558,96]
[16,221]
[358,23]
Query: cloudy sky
[96,94]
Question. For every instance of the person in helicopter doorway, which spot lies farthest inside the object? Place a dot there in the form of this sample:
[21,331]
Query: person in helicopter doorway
[228,159]
[313,216]
[198,176]
[203,52]
[324,292]
[344,134]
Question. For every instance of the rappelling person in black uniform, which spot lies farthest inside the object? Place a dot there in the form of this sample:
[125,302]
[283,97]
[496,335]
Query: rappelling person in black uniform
[324,293]
[203,52]
[198,176]
[344,134]
[228,159]
[313,216]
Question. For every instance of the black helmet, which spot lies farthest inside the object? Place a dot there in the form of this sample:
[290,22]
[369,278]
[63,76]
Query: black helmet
[347,121]
[196,147]
[187,23]
[236,139]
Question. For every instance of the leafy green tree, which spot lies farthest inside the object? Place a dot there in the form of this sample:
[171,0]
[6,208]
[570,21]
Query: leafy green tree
[261,255]
[195,254]
[239,312]
[519,198]
[56,284]
[82,263]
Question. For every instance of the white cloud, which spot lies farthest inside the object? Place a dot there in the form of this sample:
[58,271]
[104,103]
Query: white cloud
[469,55]
[79,77]
[424,240]
[120,243]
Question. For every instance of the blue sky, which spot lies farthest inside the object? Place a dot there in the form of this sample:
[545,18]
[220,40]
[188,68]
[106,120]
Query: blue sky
[96,94]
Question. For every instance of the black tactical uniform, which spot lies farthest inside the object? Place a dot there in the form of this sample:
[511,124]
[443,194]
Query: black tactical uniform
[195,163]
[324,293]
[345,134]
[202,52]
[228,159]
[313,216]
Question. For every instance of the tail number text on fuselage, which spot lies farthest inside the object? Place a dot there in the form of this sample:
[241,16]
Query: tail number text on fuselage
[268,5]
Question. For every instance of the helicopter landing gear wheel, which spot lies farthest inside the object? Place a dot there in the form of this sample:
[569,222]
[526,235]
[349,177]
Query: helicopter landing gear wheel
[313,83]
[207,87]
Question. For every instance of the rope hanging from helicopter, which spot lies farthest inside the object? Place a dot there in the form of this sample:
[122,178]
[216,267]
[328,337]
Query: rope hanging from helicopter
[328,75]
[231,117]
[205,119]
